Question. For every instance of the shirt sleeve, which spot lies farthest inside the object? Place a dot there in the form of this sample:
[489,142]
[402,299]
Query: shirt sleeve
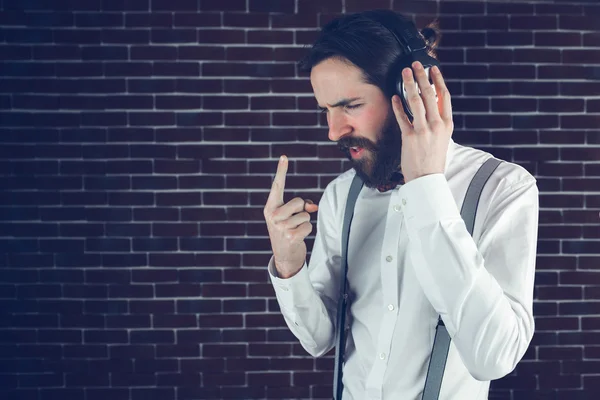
[483,291]
[308,300]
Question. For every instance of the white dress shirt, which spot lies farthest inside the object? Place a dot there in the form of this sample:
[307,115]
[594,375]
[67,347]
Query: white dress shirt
[410,259]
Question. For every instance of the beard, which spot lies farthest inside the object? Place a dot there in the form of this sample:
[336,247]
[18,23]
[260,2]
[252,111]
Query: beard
[379,160]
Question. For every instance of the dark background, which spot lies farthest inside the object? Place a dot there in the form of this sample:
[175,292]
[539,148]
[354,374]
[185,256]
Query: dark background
[138,144]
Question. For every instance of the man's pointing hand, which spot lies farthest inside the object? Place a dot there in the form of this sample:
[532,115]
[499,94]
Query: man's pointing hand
[288,225]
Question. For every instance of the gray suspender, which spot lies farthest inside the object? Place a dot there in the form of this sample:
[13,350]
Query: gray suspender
[441,343]
[340,343]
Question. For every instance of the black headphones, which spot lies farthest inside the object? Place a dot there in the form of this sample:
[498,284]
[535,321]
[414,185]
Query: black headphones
[415,50]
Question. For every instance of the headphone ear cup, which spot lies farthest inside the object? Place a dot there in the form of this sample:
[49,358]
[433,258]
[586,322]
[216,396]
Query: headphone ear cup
[401,91]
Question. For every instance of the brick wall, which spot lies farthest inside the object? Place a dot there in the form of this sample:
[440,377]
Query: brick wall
[138,143]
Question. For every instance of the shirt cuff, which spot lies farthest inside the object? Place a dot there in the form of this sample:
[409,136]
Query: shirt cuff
[294,290]
[427,200]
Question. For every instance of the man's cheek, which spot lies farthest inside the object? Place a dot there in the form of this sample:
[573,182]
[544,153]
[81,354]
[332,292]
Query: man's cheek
[373,120]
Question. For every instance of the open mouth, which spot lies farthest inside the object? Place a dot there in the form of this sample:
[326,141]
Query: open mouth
[356,152]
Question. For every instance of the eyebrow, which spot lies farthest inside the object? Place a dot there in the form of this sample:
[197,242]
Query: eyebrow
[343,102]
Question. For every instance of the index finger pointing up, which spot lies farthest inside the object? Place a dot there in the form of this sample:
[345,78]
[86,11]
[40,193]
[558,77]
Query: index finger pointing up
[276,195]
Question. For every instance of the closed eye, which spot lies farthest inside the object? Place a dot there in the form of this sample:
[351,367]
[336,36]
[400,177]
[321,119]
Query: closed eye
[350,107]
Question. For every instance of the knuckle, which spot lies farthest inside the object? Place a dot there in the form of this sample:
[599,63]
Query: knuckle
[275,214]
[284,225]
[437,124]
[299,221]
[300,203]
[428,90]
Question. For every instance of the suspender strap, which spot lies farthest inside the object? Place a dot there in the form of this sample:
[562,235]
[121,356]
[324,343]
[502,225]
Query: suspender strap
[437,362]
[338,388]
[469,207]
[441,343]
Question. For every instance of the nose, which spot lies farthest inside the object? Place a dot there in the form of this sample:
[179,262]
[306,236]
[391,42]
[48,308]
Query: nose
[338,125]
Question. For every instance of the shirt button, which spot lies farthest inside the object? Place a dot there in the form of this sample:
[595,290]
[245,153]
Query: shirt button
[403,202]
[397,207]
[391,307]
[382,356]
[389,258]
[284,289]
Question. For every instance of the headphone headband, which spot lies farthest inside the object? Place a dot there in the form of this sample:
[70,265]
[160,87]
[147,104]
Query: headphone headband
[415,50]
[408,38]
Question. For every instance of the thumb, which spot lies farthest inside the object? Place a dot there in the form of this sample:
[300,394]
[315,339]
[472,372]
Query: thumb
[310,206]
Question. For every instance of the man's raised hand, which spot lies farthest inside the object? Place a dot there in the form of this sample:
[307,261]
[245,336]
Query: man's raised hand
[425,141]
[288,225]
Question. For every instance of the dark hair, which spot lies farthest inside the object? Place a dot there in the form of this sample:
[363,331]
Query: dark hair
[362,40]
